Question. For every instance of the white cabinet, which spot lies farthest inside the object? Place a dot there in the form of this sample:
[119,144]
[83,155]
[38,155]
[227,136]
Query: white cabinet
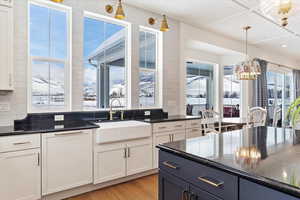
[139,156]
[8,3]
[66,160]
[109,162]
[117,160]
[165,137]
[20,174]
[194,132]
[6,47]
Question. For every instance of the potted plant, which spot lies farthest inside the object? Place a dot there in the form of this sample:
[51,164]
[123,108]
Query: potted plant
[293,114]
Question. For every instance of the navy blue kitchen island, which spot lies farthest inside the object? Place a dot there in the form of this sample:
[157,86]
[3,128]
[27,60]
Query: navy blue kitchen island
[258,163]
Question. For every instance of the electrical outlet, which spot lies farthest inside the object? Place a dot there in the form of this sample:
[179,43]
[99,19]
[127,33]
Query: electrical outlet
[59,118]
[4,107]
[147,113]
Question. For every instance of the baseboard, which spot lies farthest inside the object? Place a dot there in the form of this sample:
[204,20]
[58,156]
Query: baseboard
[91,187]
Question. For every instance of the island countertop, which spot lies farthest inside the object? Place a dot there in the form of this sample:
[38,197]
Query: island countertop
[265,155]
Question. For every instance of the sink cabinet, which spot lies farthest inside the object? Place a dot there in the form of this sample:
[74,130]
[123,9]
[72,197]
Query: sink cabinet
[66,160]
[117,160]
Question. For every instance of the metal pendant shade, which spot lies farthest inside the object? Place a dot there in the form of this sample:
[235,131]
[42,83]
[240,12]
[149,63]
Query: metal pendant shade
[57,1]
[120,14]
[164,24]
[250,68]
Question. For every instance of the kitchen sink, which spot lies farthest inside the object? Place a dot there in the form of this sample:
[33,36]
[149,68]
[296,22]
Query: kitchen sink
[122,130]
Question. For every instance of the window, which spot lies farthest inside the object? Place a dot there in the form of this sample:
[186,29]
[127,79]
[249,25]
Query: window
[199,87]
[148,68]
[105,48]
[49,58]
[279,95]
[232,93]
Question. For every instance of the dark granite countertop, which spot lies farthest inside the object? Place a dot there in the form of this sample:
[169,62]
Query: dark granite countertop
[275,160]
[45,127]
[171,118]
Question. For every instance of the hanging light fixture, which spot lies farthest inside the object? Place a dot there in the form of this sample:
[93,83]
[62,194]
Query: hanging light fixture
[280,9]
[164,27]
[285,6]
[120,12]
[57,1]
[250,68]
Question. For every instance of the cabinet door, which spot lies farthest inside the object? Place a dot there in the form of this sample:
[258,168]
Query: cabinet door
[178,135]
[20,174]
[172,188]
[6,48]
[250,191]
[139,156]
[67,160]
[109,162]
[198,194]
[159,139]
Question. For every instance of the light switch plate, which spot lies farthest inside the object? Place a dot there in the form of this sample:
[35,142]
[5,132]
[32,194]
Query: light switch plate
[59,118]
[147,113]
[4,107]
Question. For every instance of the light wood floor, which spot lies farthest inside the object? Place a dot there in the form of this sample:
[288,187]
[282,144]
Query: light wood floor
[140,189]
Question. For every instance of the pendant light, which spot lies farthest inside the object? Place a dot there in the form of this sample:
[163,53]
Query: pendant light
[164,27]
[120,12]
[285,6]
[250,68]
[57,1]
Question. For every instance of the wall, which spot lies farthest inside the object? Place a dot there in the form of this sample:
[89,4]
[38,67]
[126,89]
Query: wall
[137,17]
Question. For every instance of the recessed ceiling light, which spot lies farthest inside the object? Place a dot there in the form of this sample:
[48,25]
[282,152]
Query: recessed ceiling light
[283,45]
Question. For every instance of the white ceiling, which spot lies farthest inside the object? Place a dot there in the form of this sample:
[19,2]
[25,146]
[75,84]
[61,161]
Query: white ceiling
[228,17]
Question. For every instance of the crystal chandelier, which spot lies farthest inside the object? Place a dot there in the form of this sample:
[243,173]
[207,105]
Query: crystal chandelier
[250,68]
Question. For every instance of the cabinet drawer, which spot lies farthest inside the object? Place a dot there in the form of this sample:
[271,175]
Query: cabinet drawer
[194,132]
[193,123]
[171,164]
[214,181]
[21,142]
[168,126]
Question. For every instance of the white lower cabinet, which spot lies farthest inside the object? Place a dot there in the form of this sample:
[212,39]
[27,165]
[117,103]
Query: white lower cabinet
[109,162]
[165,137]
[194,132]
[117,160]
[67,160]
[139,156]
[20,175]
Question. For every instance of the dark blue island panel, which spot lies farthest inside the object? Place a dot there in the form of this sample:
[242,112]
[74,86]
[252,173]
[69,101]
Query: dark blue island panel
[251,191]
[183,179]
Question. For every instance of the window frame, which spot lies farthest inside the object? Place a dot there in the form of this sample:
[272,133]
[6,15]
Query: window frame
[67,62]
[223,92]
[127,77]
[157,70]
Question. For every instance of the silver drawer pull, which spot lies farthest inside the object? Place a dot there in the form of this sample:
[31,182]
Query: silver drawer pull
[67,133]
[162,127]
[195,130]
[21,143]
[211,182]
[169,165]
[194,124]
